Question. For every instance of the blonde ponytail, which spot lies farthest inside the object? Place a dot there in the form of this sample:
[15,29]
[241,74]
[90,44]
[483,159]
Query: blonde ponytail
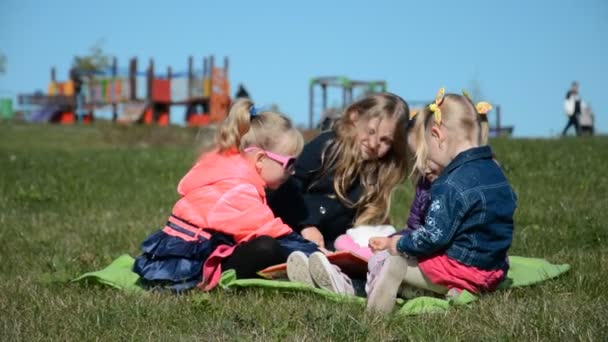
[482,111]
[265,130]
[484,130]
[235,126]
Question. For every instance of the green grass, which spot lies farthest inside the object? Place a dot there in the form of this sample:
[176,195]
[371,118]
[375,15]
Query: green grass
[74,198]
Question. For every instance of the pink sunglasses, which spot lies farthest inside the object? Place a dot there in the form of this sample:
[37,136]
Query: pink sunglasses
[287,162]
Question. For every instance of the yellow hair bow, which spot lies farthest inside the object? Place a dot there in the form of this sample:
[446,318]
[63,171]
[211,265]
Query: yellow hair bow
[413,113]
[434,107]
[483,107]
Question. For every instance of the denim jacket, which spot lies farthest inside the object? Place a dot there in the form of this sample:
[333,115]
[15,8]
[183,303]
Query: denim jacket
[470,218]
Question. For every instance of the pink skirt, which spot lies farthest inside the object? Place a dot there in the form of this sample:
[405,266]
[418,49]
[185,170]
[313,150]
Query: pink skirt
[442,270]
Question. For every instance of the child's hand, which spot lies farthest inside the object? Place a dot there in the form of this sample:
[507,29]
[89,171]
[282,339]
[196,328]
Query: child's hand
[393,245]
[379,243]
[313,234]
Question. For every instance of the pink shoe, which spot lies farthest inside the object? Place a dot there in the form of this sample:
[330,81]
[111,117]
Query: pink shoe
[374,266]
[346,243]
[328,276]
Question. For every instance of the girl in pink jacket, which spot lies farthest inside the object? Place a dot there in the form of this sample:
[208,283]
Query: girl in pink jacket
[222,220]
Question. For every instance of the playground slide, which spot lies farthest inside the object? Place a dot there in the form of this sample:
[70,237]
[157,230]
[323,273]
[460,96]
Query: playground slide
[131,112]
[45,114]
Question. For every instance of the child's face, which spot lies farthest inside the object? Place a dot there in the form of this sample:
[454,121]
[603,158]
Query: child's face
[375,137]
[437,149]
[275,167]
[432,170]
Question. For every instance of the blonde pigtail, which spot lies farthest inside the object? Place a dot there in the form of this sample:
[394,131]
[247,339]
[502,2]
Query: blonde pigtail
[482,109]
[235,126]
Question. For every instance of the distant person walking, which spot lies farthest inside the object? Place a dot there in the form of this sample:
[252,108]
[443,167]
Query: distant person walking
[587,120]
[573,108]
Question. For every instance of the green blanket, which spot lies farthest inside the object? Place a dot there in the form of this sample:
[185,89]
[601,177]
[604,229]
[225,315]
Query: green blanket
[523,272]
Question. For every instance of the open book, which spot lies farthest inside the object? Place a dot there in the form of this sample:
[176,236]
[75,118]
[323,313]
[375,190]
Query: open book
[350,263]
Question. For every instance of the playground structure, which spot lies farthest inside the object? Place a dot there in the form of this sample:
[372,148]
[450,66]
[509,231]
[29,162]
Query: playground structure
[498,130]
[347,86]
[134,97]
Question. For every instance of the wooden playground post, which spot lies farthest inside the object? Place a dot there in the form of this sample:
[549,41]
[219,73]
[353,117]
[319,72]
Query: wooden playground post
[211,66]
[149,81]
[205,66]
[133,78]
[211,101]
[165,108]
[114,72]
[150,78]
[77,110]
[53,75]
[324,92]
[205,74]
[190,76]
[498,120]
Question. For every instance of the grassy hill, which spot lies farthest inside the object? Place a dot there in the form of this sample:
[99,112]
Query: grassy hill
[74,198]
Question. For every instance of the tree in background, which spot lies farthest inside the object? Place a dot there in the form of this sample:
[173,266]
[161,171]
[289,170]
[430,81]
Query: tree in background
[96,60]
[85,66]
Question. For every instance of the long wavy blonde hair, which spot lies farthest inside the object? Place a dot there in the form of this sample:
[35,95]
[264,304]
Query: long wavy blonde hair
[378,177]
[265,130]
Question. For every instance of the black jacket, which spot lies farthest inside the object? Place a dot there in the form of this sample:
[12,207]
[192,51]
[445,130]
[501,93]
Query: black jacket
[299,205]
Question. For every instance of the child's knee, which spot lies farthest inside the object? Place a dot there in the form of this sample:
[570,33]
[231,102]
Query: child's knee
[266,245]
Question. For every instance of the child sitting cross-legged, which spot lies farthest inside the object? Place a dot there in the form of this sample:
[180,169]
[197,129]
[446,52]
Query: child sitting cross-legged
[468,228]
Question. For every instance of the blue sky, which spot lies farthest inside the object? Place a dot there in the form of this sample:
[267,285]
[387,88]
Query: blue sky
[522,54]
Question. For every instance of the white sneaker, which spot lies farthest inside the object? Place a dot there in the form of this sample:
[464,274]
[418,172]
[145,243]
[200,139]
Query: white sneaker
[328,276]
[383,295]
[297,269]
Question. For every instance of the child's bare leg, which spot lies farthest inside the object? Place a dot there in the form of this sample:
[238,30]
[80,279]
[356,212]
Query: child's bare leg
[396,271]
[383,295]
[415,278]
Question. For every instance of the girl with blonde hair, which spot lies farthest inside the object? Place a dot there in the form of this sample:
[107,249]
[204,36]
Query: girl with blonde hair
[423,174]
[344,178]
[468,228]
[221,220]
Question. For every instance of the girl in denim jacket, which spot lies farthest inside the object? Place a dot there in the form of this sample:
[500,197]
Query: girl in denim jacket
[469,224]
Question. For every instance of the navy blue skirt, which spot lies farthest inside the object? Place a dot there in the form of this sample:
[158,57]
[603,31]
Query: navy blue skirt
[171,263]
